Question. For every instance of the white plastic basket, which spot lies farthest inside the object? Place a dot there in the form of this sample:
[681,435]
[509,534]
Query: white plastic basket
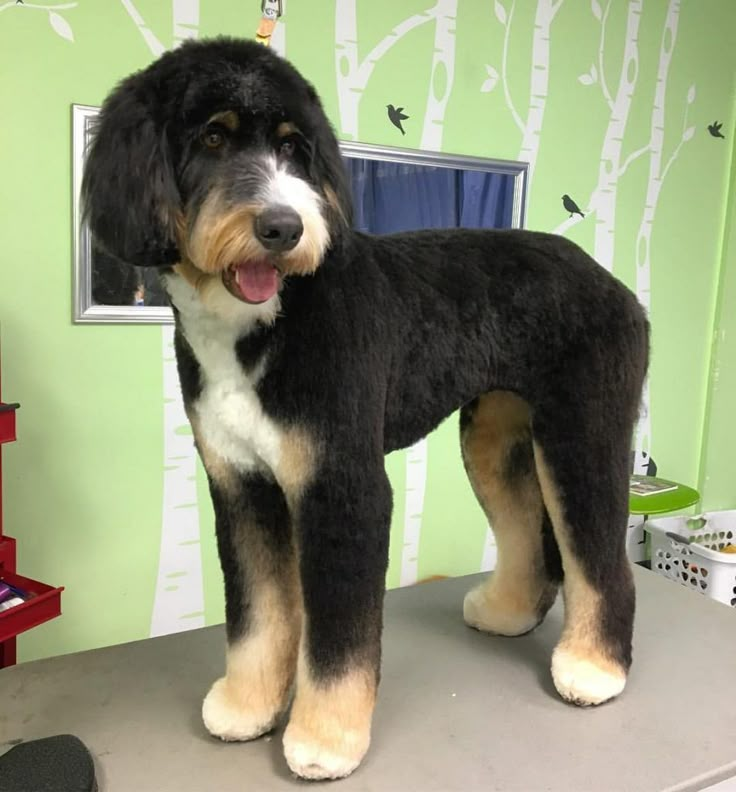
[692,557]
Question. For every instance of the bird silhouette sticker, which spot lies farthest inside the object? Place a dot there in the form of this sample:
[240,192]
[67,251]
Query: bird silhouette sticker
[396,116]
[715,129]
[571,206]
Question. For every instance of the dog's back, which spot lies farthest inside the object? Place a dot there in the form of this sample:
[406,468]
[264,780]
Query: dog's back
[460,312]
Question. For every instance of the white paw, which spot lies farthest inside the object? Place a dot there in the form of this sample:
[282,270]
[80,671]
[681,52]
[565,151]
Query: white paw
[582,682]
[483,611]
[225,717]
[311,760]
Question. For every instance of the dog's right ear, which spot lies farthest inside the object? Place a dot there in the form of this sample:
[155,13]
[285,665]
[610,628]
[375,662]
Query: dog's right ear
[129,194]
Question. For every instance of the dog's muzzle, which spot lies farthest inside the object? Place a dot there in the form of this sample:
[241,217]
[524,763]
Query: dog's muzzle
[278,230]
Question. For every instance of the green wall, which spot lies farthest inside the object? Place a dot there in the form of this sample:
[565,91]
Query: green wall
[83,487]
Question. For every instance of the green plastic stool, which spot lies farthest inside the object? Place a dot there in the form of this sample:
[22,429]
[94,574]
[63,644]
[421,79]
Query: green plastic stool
[673,496]
[664,496]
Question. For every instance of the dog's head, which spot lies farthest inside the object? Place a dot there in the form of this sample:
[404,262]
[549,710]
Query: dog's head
[218,155]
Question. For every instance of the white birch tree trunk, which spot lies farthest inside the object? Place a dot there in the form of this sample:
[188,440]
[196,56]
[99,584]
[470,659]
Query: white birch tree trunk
[179,599]
[416,482]
[352,75]
[186,20]
[179,596]
[654,182]
[546,11]
[602,201]
[443,67]
[156,47]
[610,164]
[654,186]
[346,65]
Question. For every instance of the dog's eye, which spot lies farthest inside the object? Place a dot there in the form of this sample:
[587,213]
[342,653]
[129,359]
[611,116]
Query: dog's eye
[287,147]
[212,137]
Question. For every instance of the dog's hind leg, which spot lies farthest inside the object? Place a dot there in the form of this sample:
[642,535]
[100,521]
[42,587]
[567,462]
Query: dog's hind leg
[344,518]
[262,603]
[582,457]
[497,450]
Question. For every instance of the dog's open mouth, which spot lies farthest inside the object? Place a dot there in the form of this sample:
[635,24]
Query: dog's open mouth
[252,281]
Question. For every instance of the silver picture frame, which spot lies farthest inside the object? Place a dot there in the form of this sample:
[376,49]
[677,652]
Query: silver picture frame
[86,311]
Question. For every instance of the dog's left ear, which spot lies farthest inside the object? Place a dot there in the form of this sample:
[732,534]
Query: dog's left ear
[129,192]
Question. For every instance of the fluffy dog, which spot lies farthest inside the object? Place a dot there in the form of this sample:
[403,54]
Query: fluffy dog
[307,351]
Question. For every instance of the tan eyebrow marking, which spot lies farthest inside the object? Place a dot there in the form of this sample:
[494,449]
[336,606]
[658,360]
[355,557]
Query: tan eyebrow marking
[286,128]
[228,118]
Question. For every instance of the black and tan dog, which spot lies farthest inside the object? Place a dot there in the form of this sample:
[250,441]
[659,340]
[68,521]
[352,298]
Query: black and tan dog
[307,351]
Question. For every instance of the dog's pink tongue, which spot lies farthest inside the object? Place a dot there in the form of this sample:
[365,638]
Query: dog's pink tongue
[258,281]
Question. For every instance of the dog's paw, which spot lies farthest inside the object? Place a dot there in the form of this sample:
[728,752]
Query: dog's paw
[484,609]
[226,716]
[315,759]
[582,681]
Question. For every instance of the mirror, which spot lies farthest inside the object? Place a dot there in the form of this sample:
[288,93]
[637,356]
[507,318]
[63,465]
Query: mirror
[393,190]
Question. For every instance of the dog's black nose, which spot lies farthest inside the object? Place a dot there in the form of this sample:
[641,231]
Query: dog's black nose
[279,228]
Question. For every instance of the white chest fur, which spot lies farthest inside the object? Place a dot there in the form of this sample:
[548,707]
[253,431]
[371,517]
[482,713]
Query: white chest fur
[229,413]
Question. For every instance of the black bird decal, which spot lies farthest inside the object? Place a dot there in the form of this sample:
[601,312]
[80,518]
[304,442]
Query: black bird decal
[396,116]
[715,129]
[571,206]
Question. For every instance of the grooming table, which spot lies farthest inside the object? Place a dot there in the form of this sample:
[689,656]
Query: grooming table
[458,710]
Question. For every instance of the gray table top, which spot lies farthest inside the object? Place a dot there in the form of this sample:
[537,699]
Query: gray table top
[458,710]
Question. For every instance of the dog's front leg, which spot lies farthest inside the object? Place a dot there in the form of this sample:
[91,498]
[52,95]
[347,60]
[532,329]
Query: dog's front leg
[344,520]
[262,603]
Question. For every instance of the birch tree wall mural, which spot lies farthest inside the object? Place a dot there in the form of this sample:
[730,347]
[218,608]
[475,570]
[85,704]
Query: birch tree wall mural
[178,603]
[623,105]
[656,178]
[601,204]
[353,74]
[442,75]
[59,23]
[603,198]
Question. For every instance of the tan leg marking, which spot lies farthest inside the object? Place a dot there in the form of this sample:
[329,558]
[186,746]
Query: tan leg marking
[329,729]
[217,468]
[297,464]
[255,690]
[513,599]
[582,668]
[260,668]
